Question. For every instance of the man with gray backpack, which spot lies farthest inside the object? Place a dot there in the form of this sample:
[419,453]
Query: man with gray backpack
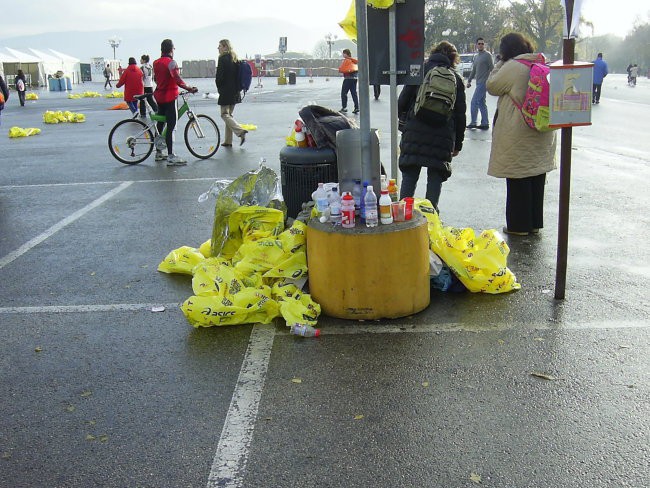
[434,123]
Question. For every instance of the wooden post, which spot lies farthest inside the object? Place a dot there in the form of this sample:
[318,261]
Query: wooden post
[568,57]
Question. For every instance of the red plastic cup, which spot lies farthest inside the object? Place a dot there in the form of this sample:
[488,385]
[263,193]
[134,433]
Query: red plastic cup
[408,209]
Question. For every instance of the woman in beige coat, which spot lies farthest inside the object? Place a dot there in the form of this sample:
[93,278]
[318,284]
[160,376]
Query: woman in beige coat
[519,153]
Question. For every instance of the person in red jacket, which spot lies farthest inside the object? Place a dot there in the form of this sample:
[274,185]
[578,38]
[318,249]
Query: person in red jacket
[131,80]
[167,76]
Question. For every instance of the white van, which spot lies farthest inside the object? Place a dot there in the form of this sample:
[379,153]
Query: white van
[464,68]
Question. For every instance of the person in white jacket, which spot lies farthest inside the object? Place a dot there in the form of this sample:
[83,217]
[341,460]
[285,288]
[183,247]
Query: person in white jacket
[519,154]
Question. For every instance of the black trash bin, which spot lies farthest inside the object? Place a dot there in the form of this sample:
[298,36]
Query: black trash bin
[301,169]
[292,77]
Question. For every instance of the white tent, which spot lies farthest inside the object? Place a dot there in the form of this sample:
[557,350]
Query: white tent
[54,61]
[31,65]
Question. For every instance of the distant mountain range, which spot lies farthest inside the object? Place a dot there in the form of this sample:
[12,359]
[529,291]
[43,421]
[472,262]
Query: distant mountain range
[249,37]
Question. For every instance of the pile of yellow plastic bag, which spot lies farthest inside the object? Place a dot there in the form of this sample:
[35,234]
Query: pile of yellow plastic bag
[31,96]
[50,117]
[115,94]
[256,282]
[479,261]
[20,132]
[248,127]
[86,94]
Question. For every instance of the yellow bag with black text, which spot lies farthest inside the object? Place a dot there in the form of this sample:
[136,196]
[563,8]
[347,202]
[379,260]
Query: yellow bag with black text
[249,305]
[479,261]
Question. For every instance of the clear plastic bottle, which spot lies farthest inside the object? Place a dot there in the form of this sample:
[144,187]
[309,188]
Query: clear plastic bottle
[385,213]
[347,211]
[356,194]
[335,205]
[371,207]
[362,212]
[304,330]
[384,182]
[320,199]
[393,193]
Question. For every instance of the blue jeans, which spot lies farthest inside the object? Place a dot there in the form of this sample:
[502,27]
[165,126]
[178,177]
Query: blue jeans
[410,177]
[478,103]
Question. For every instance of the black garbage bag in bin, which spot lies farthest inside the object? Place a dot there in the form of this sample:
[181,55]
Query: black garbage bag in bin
[324,123]
[301,169]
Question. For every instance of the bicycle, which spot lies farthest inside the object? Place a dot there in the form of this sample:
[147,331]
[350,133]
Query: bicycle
[131,141]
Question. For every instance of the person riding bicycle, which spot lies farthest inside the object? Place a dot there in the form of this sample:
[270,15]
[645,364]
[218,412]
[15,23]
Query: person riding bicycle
[167,77]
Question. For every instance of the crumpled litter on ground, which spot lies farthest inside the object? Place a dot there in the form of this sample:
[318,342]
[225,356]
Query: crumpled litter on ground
[478,261]
[50,117]
[20,132]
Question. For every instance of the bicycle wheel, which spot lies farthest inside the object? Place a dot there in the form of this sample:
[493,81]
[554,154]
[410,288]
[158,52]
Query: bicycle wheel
[130,141]
[202,136]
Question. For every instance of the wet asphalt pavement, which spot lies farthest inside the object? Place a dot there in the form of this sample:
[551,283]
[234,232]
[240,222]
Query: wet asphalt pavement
[513,390]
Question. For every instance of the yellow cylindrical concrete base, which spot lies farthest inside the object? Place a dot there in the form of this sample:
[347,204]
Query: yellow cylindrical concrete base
[369,273]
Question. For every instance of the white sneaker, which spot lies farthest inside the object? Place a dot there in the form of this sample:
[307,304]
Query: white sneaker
[159,143]
[173,160]
[160,156]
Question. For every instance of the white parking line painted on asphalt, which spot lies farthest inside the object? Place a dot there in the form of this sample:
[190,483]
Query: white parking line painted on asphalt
[89,183]
[60,225]
[111,307]
[230,459]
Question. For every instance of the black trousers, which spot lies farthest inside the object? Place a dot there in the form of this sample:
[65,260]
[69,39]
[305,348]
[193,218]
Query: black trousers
[170,111]
[596,93]
[525,203]
[152,102]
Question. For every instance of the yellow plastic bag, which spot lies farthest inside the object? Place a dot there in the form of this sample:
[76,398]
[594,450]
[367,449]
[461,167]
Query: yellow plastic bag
[248,306]
[251,223]
[294,238]
[291,139]
[479,261]
[258,256]
[115,94]
[248,127]
[31,96]
[295,306]
[20,132]
[50,117]
[295,267]
[181,260]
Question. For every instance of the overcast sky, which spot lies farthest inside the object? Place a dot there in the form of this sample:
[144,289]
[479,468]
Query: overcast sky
[322,16]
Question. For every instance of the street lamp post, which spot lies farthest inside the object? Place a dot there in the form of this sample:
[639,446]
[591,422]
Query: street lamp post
[115,43]
[329,39]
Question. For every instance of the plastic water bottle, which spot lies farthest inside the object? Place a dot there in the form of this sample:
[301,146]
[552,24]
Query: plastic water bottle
[356,194]
[304,330]
[384,182]
[392,190]
[371,207]
[385,213]
[347,211]
[320,198]
[335,205]
[362,213]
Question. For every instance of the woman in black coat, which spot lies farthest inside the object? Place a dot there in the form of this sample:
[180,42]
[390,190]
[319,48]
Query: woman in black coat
[431,146]
[227,81]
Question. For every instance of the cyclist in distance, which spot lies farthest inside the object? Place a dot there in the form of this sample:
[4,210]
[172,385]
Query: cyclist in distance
[167,77]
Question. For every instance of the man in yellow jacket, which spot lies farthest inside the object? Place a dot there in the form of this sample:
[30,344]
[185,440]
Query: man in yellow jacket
[349,69]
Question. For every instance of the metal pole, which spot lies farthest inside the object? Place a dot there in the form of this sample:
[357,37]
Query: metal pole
[392,52]
[568,53]
[367,168]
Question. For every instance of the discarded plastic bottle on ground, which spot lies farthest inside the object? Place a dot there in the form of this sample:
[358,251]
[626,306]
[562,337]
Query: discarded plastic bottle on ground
[385,213]
[347,211]
[304,330]
[320,198]
[371,207]
[392,190]
[356,194]
[335,205]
